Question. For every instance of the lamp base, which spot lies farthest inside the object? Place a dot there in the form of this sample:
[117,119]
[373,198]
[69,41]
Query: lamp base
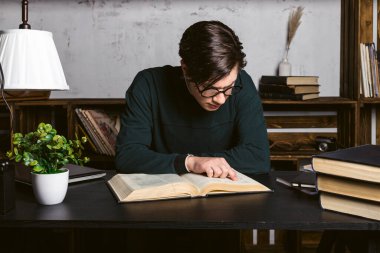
[26,95]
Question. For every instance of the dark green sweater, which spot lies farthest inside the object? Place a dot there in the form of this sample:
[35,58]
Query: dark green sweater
[162,123]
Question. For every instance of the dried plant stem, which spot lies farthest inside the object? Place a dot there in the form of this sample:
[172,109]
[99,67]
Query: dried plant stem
[293,24]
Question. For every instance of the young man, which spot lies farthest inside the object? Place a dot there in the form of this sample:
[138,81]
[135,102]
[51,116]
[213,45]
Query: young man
[202,117]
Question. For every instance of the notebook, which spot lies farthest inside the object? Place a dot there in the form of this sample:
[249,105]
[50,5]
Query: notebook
[77,173]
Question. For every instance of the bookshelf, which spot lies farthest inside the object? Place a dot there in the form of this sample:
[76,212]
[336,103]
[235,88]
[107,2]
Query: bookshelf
[362,25]
[61,114]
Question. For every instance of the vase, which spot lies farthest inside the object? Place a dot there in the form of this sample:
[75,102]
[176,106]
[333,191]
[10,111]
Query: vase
[284,69]
[50,189]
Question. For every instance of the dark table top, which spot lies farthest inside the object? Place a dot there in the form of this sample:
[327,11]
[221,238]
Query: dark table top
[92,205]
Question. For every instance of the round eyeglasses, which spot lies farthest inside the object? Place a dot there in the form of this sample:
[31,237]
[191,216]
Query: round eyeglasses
[212,91]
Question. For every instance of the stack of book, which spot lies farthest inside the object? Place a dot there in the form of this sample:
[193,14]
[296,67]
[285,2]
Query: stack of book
[100,128]
[349,180]
[289,87]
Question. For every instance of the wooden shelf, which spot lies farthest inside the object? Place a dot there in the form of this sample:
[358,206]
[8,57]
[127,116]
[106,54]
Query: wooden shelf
[317,101]
[292,155]
[76,101]
[370,100]
[61,113]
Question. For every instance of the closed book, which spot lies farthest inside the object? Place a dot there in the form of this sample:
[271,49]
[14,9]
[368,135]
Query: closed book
[272,95]
[349,187]
[290,80]
[295,89]
[77,173]
[348,205]
[361,162]
[91,133]
[105,124]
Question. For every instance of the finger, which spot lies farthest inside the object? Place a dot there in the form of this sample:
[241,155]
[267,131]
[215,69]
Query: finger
[232,175]
[225,172]
[217,172]
[210,172]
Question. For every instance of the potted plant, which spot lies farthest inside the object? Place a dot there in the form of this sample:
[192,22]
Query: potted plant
[47,153]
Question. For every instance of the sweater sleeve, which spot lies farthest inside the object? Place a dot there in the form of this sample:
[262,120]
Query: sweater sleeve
[251,152]
[133,146]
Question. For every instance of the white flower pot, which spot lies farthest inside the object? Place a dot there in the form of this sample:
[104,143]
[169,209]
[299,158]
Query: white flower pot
[50,189]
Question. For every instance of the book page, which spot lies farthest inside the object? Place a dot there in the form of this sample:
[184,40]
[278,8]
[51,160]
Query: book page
[139,181]
[210,185]
[139,187]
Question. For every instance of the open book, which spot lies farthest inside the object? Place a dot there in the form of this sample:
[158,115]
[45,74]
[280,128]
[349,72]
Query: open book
[143,187]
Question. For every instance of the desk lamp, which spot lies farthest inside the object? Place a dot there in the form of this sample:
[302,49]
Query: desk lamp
[28,61]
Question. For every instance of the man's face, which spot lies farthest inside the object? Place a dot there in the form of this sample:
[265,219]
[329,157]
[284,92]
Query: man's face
[215,102]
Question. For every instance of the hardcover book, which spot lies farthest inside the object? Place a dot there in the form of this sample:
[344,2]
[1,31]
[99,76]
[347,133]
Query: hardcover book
[353,206]
[145,187]
[290,80]
[349,187]
[77,173]
[90,130]
[291,89]
[272,95]
[104,127]
[361,162]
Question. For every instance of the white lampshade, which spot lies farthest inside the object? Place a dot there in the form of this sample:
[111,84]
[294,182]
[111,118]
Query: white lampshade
[30,61]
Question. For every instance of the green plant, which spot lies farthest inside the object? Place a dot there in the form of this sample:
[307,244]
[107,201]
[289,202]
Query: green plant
[46,151]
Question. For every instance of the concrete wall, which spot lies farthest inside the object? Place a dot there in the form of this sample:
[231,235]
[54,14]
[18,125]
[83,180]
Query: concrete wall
[103,44]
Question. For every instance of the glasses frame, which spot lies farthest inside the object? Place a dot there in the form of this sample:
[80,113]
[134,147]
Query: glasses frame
[236,87]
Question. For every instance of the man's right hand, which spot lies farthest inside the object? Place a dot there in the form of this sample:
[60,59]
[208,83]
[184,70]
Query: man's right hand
[212,166]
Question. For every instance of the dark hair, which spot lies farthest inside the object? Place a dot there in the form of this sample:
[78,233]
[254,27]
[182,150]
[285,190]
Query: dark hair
[210,50]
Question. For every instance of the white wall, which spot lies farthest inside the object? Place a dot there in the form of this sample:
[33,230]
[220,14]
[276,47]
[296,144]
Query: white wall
[103,44]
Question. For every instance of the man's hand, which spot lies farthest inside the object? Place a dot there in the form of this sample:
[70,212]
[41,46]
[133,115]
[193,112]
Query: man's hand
[212,166]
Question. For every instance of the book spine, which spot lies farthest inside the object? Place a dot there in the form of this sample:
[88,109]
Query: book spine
[91,130]
[106,128]
[269,88]
[109,149]
[280,80]
[272,95]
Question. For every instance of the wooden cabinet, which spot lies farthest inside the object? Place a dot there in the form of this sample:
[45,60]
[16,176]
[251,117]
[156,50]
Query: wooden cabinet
[61,114]
[292,136]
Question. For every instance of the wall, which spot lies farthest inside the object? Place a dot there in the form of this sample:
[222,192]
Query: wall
[103,44]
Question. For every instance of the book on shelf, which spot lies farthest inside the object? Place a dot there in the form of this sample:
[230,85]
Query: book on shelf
[90,131]
[349,187]
[102,127]
[290,89]
[361,163]
[272,95]
[369,70]
[82,132]
[290,80]
[102,142]
[348,205]
[105,127]
[147,187]
[77,173]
